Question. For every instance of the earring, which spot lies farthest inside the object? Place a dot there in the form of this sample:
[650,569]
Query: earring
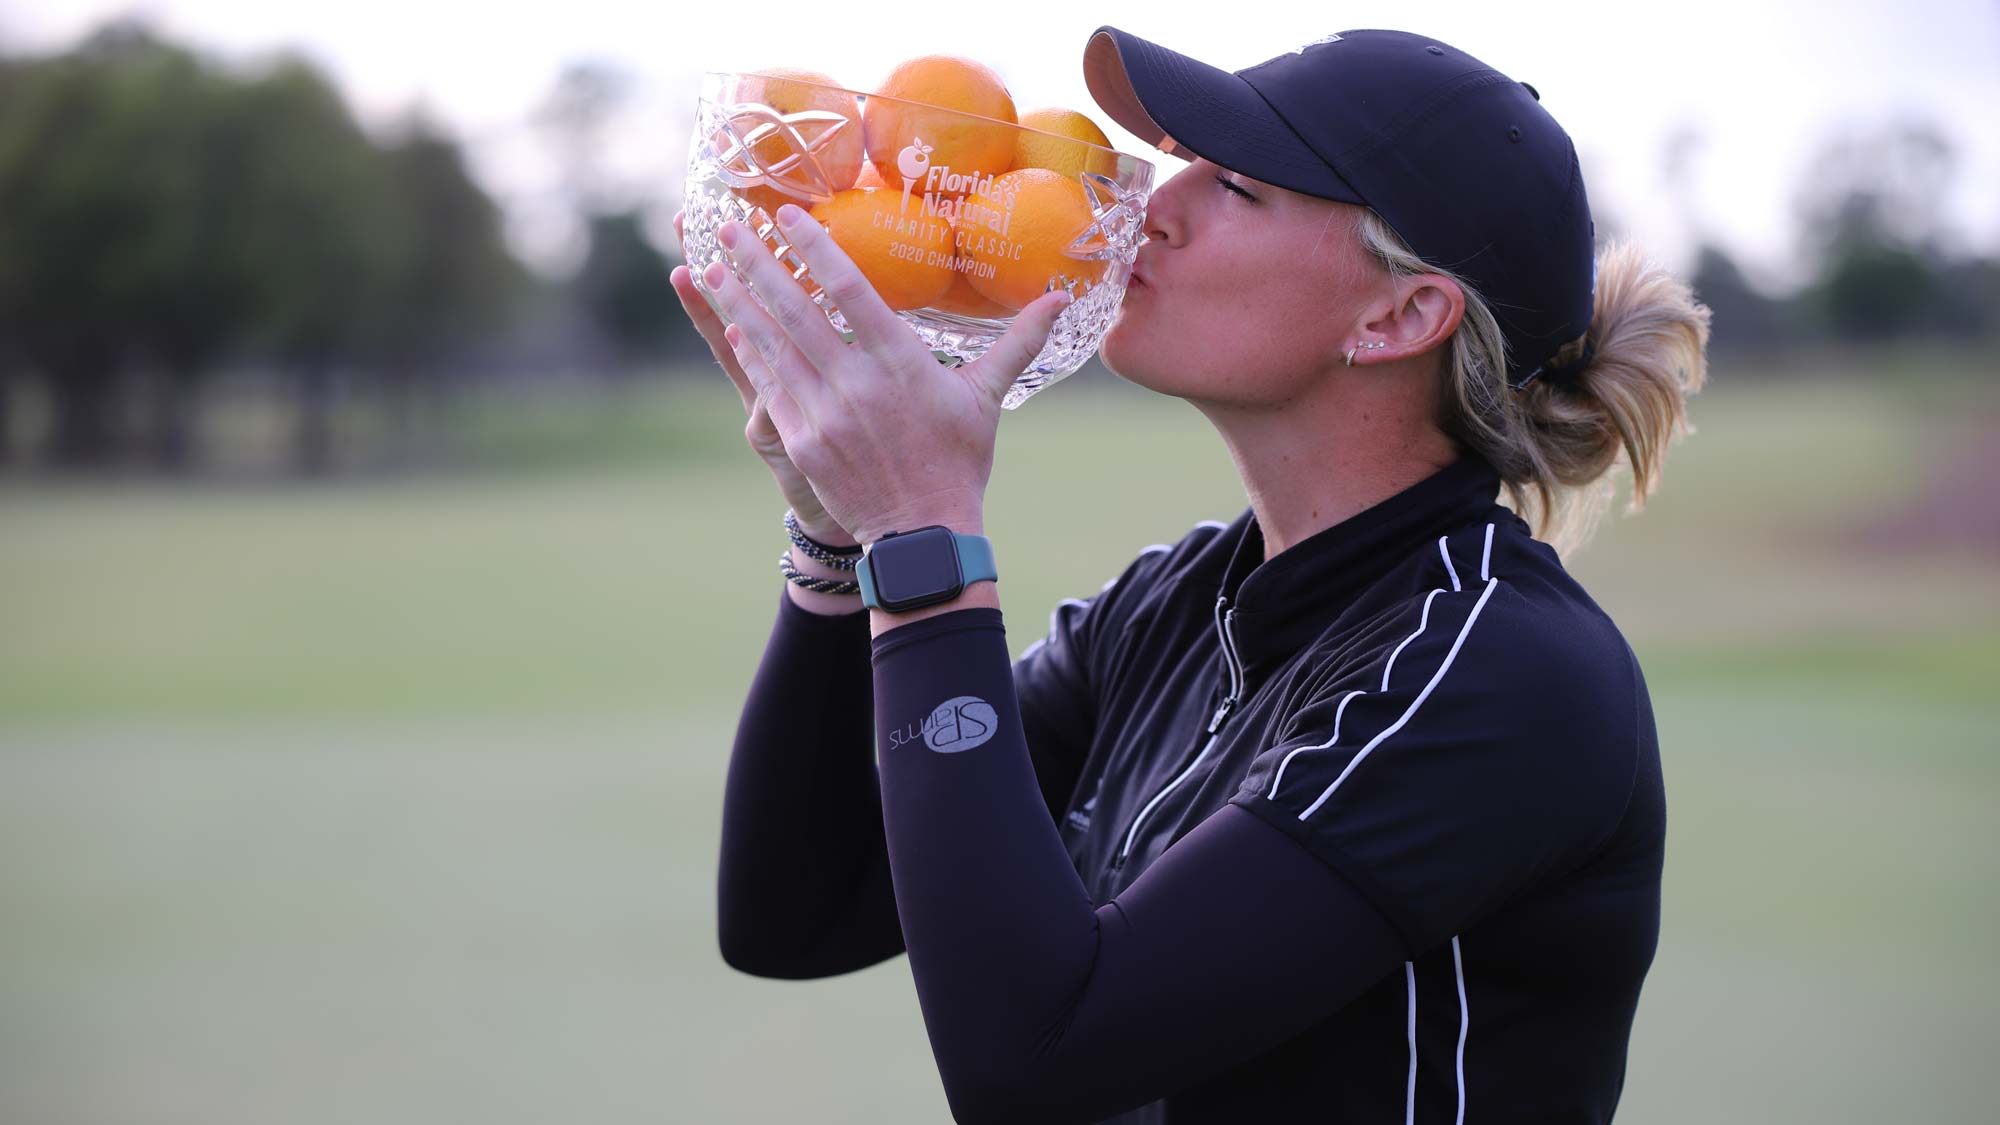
[1371,346]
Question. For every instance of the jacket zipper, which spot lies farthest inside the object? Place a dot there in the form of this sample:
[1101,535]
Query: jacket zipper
[1225,618]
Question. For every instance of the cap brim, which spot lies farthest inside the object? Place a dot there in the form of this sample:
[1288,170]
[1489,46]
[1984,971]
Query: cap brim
[1187,108]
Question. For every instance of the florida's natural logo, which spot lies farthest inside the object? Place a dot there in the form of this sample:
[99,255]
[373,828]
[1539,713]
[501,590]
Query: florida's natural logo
[959,723]
[966,199]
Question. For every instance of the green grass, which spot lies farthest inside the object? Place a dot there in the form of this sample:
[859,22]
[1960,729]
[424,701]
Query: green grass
[398,800]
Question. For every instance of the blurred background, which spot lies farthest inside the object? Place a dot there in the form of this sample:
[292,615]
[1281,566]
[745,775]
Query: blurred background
[382,570]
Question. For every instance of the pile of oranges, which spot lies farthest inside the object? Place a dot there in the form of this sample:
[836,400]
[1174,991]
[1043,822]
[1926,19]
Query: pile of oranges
[943,195]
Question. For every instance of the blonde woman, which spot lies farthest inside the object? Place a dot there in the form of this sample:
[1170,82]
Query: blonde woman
[1348,810]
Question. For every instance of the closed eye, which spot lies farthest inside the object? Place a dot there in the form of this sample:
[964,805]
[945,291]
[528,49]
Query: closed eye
[1225,181]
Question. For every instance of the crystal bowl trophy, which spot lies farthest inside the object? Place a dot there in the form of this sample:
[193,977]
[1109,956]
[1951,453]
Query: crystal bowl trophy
[957,220]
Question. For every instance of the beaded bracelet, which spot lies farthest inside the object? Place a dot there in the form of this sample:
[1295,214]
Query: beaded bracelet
[839,558]
[818,585]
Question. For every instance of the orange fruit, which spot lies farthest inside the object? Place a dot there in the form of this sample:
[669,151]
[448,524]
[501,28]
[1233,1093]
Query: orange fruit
[1016,237]
[907,260]
[926,135]
[790,90]
[869,177]
[964,300]
[1040,143]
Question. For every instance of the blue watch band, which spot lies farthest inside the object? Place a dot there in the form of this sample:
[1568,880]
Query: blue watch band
[974,564]
[975,558]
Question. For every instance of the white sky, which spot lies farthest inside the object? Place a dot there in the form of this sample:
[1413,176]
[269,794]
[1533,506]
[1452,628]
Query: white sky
[1762,80]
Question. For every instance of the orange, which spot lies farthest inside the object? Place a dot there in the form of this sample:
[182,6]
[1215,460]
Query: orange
[1018,234]
[869,177]
[926,135]
[908,261]
[790,90]
[964,300]
[1035,147]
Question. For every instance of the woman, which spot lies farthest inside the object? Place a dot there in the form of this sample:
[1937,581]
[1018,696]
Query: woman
[1349,810]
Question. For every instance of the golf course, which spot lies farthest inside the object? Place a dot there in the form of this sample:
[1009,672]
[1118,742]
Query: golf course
[396,798]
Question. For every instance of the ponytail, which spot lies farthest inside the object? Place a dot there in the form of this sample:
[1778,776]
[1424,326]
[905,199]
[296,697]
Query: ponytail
[1555,442]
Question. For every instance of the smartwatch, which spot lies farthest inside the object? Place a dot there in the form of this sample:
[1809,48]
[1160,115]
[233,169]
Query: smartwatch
[912,569]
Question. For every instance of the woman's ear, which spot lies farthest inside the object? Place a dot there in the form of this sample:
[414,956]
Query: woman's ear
[1425,313]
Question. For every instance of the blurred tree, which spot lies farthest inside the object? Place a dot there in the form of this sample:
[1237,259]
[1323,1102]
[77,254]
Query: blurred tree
[11,77]
[624,289]
[1871,207]
[9,363]
[154,210]
[1971,308]
[197,288]
[322,233]
[458,278]
[157,210]
[1745,319]
[1873,291]
[78,231]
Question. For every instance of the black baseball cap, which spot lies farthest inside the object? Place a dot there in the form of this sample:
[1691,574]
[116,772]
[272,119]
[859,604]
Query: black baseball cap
[1460,160]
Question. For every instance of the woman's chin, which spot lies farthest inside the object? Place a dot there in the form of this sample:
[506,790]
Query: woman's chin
[1122,351]
[1111,347]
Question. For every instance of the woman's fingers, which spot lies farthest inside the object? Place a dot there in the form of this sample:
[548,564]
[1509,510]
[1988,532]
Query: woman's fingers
[876,326]
[762,435]
[786,308]
[710,326]
[778,400]
[1011,354]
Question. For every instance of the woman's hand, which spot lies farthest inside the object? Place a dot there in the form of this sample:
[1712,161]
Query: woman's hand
[762,436]
[888,438]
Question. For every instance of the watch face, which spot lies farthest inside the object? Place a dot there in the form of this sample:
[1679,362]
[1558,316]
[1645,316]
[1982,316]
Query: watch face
[920,564]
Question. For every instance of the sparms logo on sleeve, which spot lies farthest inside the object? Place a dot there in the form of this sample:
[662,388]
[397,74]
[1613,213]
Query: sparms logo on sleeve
[959,723]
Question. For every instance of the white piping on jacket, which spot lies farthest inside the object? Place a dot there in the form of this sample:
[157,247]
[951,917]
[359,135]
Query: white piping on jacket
[1448,568]
[1491,585]
[1337,713]
[1464,1021]
[1410,1091]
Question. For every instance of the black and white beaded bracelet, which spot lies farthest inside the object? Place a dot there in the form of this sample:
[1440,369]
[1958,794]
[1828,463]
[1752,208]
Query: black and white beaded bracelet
[818,585]
[839,558]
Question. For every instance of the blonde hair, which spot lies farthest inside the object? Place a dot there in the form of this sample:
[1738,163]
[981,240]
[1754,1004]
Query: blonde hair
[1555,442]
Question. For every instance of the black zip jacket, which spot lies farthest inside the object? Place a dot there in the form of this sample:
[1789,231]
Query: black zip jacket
[1370,831]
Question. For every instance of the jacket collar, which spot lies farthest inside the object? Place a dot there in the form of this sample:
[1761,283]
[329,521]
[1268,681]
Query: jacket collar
[1284,602]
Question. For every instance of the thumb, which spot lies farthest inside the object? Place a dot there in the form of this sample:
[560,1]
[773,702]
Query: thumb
[1017,347]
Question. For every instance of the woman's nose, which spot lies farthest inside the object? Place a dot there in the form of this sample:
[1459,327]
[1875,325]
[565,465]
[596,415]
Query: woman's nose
[1162,218]
[1156,221]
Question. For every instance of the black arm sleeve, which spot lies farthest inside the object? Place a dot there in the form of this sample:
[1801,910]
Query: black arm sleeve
[1041,1006]
[804,886]
[803,889]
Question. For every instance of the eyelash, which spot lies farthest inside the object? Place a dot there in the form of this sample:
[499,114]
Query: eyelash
[1226,182]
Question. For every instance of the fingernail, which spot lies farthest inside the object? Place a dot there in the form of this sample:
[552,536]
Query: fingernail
[790,216]
[728,235]
[713,274]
